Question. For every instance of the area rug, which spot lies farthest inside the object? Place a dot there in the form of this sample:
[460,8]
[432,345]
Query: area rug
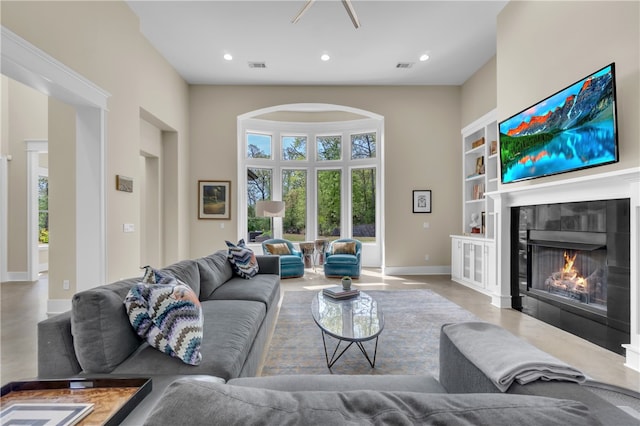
[409,343]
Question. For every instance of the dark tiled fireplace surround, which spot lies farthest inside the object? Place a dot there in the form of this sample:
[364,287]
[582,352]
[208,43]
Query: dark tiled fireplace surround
[570,267]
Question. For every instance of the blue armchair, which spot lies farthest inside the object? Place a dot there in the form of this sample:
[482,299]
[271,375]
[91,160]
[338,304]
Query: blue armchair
[291,264]
[343,258]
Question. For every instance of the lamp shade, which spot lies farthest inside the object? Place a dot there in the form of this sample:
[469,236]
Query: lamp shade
[268,208]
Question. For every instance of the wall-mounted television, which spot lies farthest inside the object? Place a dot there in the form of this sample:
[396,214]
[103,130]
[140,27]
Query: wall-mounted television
[573,129]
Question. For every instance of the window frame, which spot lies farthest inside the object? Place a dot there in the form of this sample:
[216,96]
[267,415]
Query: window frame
[361,122]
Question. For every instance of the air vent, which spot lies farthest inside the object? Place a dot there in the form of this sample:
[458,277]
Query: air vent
[257,65]
[404,65]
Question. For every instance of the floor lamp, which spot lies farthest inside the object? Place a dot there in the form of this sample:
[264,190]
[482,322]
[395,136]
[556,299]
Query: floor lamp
[270,209]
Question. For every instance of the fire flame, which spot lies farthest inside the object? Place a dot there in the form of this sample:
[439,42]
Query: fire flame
[570,273]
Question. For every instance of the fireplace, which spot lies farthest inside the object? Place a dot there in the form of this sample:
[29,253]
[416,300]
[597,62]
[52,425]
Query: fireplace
[572,268]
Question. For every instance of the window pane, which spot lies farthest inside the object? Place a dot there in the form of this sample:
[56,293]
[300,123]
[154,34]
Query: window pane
[258,188]
[363,210]
[329,203]
[363,145]
[258,146]
[329,147]
[43,209]
[294,194]
[294,148]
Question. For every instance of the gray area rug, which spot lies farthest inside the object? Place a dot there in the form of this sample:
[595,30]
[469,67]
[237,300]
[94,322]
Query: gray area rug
[409,343]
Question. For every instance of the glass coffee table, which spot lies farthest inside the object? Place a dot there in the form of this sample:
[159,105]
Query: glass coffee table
[354,320]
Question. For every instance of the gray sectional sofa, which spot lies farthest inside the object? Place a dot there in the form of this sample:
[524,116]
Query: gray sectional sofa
[96,337]
[462,395]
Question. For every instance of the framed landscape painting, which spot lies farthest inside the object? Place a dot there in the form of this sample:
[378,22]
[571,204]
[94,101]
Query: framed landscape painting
[214,199]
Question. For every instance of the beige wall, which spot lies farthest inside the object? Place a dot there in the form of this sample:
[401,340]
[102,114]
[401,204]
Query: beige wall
[62,199]
[102,42]
[576,39]
[422,151]
[479,93]
[26,117]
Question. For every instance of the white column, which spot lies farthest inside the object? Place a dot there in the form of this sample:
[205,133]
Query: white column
[633,348]
[501,296]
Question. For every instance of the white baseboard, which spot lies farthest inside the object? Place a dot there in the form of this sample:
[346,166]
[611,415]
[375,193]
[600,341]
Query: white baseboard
[58,306]
[417,270]
[43,267]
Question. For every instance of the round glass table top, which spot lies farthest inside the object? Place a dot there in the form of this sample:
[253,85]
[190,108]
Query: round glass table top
[356,319]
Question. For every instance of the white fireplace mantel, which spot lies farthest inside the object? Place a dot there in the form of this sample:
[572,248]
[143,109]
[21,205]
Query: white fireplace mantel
[600,186]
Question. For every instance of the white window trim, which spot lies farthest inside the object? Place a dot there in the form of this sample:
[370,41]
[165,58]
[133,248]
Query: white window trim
[278,129]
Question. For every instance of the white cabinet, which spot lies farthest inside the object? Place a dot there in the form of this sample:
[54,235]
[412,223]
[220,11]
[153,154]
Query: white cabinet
[473,262]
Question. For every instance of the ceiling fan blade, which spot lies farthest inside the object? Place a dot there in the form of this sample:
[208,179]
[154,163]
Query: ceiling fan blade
[302,11]
[352,13]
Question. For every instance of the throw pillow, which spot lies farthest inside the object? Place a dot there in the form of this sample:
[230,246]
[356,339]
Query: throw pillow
[242,259]
[169,317]
[278,248]
[154,276]
[344,248]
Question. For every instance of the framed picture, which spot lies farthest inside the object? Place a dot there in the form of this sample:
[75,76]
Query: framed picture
[214,199]
[422,201]
[124,183]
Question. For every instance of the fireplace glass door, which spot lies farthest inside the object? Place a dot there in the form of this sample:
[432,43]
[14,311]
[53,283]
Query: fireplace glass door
[577,276]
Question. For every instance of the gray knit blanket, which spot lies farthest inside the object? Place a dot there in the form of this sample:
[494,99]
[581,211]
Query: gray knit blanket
[505,358]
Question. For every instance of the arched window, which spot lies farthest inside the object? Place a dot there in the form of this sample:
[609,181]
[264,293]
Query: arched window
[327,173]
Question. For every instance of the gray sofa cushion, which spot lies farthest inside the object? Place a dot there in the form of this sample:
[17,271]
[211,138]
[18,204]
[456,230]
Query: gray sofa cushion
[102,334]
[215,270]
[261,288]
[186,271]
[230,328]
[195,402]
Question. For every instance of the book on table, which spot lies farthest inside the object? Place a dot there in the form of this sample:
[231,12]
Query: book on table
[337,292]
[59,414]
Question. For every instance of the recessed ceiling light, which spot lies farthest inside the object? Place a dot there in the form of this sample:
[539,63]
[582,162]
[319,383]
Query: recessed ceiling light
[424,57]
[325,57]
[227,57]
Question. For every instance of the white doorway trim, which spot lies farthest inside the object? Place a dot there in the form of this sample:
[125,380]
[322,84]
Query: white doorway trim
[29,65]
[4,194]
[33,148]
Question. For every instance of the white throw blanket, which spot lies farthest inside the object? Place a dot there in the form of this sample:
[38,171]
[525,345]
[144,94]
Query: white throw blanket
[505,358]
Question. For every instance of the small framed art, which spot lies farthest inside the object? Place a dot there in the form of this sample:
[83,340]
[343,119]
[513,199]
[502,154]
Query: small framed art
[124,184]
[422,201]
[214,199]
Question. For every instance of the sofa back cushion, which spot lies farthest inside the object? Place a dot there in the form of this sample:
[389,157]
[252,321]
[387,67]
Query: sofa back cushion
[215,270]
[102,334]
[188,401]
[186,271]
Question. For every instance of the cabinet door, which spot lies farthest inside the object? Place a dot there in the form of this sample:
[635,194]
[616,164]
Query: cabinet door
[456,258]
[478,261]
[467,260]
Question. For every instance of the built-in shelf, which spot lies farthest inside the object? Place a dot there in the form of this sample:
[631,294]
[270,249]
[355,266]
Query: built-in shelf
[480,174]
[473,251]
